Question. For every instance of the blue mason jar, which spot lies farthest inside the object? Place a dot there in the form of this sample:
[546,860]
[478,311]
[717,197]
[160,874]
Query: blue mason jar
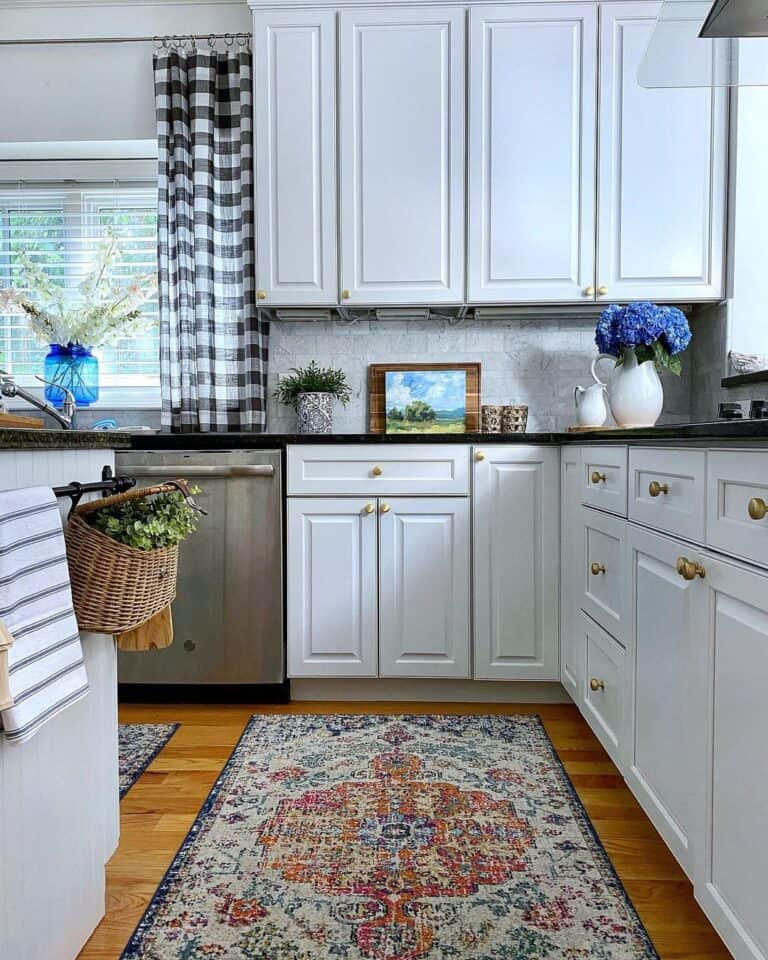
[74,367]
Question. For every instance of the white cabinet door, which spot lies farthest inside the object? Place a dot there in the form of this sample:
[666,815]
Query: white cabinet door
[295,155]
[572,643]
[532,155]
[401,136]
[424,627]
[661,171]
[731,719]
[659,766]
[516,543]
[332,588]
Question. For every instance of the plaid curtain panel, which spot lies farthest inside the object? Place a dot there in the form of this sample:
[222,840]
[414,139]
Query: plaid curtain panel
[213,340]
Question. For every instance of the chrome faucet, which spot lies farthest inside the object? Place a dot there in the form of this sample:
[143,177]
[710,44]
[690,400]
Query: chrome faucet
[65,417]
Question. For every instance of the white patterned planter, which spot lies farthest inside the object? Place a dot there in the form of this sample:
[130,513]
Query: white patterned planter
[315,412]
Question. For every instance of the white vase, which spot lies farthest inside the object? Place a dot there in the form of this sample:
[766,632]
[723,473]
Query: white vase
[635,393]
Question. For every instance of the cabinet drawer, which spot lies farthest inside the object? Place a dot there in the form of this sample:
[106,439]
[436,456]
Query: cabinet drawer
[603,573]
[737,497]
[604,476]
[604,688]
[377,468]
[666,490]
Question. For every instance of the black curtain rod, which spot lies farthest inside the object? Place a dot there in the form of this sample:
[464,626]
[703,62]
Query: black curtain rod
[168,41]
[108,484]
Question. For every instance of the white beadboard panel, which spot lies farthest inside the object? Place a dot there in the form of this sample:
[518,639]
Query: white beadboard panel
[295,152]
[59,812]
[532,158]
[401,160]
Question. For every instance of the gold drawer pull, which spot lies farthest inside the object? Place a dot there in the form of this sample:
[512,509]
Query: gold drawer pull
[369,508]
[479,455]
[595,684]
[757,508]
[689,569]
[384,508]
[655,488]
[598,477]
[597,568]
[377,471]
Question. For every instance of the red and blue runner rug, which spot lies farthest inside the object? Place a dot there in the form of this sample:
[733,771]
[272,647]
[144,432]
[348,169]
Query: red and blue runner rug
[391,838]
[138,745]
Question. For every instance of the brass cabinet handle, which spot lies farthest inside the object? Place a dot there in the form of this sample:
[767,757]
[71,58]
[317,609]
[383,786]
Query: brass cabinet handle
[261,294]
[377,471]
[589,291]
[602,290]
[384,508]
[689,569]
[597,477]
[595,684]
[597,568]
[655,488]
[479,455]
[370,507]
[345,294]
[757,508]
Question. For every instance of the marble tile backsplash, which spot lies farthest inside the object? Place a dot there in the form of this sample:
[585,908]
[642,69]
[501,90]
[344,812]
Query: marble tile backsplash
[538,362]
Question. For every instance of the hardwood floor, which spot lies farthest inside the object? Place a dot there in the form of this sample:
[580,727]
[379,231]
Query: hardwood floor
[160,808]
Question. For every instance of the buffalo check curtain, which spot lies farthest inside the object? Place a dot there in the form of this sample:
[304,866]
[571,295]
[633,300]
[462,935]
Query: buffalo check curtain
[213,341]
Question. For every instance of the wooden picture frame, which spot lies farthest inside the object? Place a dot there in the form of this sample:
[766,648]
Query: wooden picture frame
[377,414]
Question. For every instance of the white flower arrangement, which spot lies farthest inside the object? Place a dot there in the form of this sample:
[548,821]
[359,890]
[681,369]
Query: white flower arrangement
[98,311]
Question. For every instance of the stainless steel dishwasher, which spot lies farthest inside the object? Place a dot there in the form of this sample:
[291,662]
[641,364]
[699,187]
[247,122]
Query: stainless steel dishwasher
[228,612]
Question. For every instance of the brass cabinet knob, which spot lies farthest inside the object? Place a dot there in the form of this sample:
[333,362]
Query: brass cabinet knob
[598,477]
[479,455]
[589,291]
[377,471]
[370,507]
[689,569]
[384,508]
[655,488]
[595,684]
[597,569]
[345,294]
[602,291]
[757,508]
[261,294]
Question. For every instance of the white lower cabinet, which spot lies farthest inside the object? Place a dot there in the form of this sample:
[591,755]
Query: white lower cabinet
[332,587]
[424,628]
[660,763]
[603,698]
[730,717]
[515,551]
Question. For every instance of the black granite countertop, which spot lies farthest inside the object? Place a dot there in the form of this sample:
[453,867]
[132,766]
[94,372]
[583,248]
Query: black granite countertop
[12,439]
[720,431]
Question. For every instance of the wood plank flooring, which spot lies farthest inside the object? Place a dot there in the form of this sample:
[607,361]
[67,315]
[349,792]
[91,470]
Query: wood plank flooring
[160,808]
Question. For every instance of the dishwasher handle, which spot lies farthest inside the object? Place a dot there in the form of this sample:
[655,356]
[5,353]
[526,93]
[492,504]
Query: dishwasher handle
[199,470]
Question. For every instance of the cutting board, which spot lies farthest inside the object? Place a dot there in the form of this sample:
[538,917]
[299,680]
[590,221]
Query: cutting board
[14,421]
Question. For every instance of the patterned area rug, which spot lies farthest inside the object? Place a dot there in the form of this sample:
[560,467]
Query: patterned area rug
[391,838]
[138,745]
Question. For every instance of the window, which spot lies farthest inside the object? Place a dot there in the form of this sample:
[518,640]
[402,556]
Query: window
[60,229]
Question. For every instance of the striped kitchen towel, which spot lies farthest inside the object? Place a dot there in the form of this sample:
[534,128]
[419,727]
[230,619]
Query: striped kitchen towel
[45,663]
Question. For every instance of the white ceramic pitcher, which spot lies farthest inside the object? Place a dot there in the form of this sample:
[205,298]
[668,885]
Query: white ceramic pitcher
[591,409]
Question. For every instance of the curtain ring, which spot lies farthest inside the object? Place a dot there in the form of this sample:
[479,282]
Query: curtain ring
[157,43]
[212,40]
[193,43]
[228,39]
[242,39]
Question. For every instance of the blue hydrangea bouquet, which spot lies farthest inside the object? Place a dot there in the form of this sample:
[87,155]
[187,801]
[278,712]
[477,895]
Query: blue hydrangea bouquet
[653,332]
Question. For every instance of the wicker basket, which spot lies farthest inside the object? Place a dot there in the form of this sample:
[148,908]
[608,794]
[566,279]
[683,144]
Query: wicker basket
[116,588]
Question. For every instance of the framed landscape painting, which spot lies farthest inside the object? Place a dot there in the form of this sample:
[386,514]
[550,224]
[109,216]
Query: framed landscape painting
[424,397]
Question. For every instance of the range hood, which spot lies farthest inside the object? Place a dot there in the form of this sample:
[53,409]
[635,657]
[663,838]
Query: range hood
[696,43]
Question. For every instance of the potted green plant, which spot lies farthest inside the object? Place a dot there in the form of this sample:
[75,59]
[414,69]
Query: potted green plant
[311,391]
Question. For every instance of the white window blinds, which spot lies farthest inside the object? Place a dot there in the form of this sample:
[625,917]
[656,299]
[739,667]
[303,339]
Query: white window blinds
[60,228]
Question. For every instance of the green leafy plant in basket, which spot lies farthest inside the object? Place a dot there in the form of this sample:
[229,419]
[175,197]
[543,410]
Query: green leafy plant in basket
[150,523]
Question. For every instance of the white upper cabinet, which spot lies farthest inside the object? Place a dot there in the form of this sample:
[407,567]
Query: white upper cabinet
[295,155]
[532,87]
[661,172]
[401,158]
[516,543]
